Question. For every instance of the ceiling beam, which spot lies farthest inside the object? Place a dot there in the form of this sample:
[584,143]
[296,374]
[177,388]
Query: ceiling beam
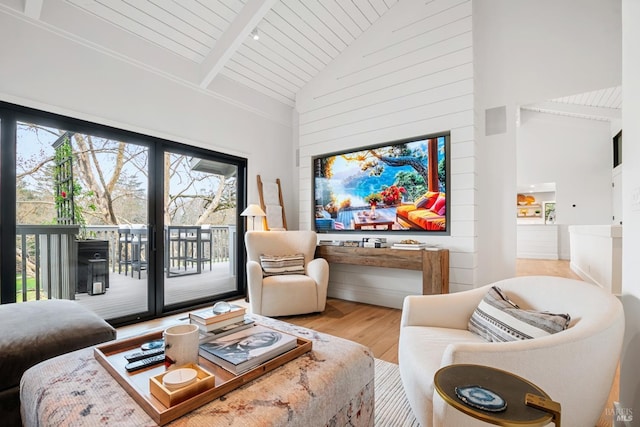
[248,18]
[575,110]
[33,8]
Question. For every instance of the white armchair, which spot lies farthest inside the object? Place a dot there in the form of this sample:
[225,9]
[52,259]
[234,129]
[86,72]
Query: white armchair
[576,367]
[289,294]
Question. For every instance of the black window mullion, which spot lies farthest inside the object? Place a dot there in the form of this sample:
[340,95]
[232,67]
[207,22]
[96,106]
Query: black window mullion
[7,207]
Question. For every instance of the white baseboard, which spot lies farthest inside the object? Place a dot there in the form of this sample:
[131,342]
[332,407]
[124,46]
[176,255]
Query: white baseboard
[584,275]
[537,255]
[368,295]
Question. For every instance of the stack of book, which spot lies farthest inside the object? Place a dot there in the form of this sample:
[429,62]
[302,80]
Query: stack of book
[374,242]
[246,349]
[409,246]
[330,243]
[215,325]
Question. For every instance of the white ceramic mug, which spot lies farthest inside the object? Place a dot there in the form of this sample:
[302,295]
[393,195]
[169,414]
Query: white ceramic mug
[180,345]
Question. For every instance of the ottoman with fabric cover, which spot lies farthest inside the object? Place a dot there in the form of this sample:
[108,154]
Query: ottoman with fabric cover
[332,385]
[31,332]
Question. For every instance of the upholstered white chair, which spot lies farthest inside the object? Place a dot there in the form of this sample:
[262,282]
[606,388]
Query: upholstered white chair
[576,367]
[285,294]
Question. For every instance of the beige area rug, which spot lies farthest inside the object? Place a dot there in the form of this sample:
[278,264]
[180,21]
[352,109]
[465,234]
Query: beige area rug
[392,408]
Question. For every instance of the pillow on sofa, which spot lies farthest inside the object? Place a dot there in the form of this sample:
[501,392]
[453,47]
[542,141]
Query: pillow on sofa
[440,202]
[426,200]
[284,264]
[497,319]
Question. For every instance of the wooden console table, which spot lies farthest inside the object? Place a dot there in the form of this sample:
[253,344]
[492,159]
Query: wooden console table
[434,264]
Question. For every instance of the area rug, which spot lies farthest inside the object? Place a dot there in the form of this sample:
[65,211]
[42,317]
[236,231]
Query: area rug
[392,408]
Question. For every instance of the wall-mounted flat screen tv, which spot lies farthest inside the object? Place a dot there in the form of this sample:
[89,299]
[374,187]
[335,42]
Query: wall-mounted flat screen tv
[398,186]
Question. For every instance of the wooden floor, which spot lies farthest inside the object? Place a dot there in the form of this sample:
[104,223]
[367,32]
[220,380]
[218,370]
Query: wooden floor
[127,294]
[533,267]
[378,327]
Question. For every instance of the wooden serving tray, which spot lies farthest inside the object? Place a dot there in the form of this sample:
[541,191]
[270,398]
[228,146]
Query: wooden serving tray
[137,384]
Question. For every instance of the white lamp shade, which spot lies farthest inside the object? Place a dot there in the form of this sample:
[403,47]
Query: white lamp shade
[253,210]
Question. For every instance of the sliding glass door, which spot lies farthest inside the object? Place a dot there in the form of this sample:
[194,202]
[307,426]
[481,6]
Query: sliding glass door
[81,219]
[128,225]
[200,210]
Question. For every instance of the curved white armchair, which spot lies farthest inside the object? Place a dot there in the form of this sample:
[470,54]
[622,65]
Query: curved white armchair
[576,367]
[289,294]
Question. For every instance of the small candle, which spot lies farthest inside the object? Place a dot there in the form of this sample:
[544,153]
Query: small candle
[179,378]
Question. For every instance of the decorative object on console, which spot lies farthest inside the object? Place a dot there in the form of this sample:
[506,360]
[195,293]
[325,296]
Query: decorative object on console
[374,242]
[331,243]
[409,244]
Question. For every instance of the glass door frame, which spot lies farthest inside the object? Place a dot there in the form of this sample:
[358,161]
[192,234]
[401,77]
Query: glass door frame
[11,114]
[158,231]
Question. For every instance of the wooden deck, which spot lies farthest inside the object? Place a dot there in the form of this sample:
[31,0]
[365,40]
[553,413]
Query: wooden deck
[127,295]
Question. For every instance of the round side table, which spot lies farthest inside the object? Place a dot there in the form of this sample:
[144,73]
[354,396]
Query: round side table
[527,404]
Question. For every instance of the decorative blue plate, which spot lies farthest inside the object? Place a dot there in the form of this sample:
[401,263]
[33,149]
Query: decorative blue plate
[481,398]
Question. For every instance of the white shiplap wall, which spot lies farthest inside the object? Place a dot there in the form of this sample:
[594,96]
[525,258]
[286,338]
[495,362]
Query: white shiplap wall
[410,74]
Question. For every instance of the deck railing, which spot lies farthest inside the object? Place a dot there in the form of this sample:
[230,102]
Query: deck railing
[47,256]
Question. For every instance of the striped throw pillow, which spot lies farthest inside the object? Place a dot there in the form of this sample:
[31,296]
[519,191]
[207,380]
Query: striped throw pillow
[497,319]
[283,264]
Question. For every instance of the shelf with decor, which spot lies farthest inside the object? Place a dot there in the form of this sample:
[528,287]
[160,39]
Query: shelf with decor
[529,211]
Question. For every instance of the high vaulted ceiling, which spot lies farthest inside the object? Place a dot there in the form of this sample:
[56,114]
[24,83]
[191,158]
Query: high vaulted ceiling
[197,41]
[602,104]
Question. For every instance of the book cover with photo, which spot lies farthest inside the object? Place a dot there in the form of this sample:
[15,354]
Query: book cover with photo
[248,348]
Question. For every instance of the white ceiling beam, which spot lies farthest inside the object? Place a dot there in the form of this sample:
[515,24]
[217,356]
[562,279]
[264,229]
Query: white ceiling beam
[575,110]
[227,45]
[33,8]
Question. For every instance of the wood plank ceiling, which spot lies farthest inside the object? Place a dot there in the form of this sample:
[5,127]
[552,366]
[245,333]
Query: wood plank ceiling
[196,41]
[297,38]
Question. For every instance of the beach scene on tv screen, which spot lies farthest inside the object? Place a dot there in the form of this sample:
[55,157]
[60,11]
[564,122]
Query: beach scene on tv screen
[400,186]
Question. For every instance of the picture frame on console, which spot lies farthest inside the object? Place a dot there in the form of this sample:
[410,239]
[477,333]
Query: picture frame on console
[393,187]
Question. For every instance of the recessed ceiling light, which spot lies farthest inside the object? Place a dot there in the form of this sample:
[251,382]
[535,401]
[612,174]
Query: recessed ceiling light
[255,34]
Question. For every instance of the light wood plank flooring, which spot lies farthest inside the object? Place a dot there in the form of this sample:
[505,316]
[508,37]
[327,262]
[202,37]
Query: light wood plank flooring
[378,327]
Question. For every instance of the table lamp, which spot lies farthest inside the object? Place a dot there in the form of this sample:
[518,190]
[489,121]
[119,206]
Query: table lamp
[253,211]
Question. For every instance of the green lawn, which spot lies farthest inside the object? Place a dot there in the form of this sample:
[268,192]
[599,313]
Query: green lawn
[31,289]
